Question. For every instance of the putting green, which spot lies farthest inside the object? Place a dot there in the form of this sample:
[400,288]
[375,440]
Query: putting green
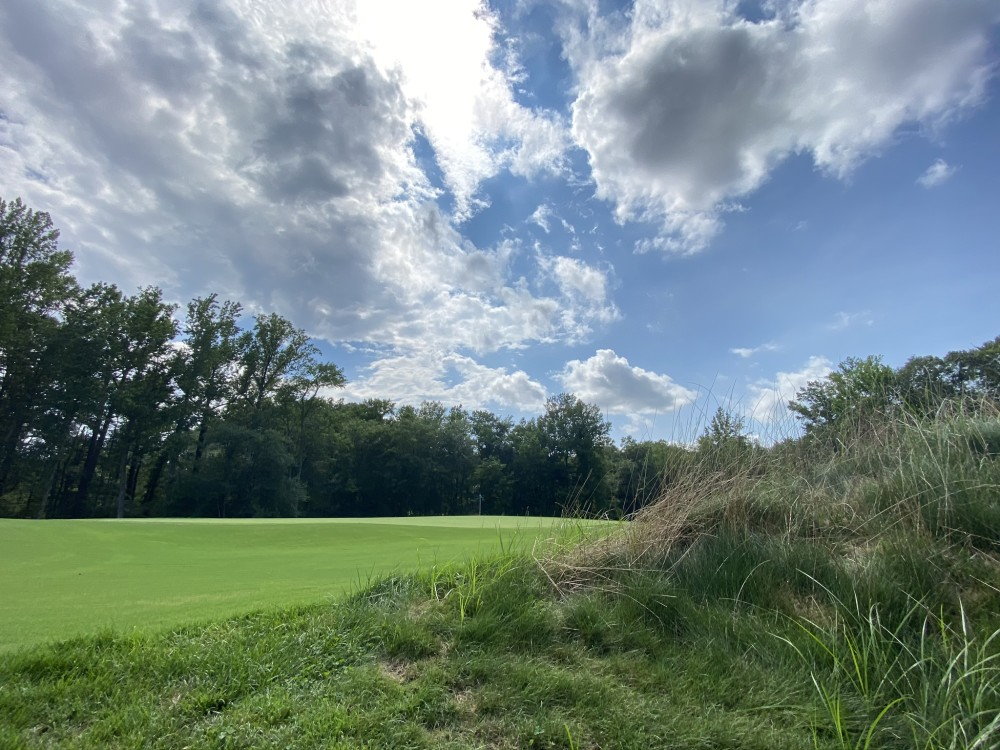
[64,578]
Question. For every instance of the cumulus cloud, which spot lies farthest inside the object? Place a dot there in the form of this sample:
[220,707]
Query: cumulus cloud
[452,379]
[768,399]
[578,280]
[450,295]
[609,381]
[204,148]
[690,105]
[937,173]
[585,294]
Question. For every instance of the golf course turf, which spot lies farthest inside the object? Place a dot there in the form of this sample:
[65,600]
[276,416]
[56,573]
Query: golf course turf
[60,579]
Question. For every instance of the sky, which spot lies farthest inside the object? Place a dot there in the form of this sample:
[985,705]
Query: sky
[661,207]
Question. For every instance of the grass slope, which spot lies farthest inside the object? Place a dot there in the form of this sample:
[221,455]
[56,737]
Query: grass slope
[424,662]
[833,600]
[65,578]
[490,656]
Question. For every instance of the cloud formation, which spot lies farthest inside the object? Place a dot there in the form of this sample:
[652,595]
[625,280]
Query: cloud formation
[690,105]
[768,399]
[747,352]
[452,379]
[207,146]
[609,381]
[937,173]
[269,156]
[371,170]
[448,61]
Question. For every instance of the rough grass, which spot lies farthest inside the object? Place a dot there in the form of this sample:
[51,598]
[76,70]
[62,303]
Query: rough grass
[837,600]
[882,551]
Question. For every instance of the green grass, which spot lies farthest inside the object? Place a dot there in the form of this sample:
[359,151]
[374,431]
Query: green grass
[450,658]
[64,578]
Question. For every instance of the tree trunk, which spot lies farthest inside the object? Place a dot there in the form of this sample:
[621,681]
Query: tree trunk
[153,483]
[41,498]
[122,481]
[133,476]
[200,447]
[9,442]
[90,466]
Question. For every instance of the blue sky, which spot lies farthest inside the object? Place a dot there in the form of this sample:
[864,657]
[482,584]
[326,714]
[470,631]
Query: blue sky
[659,206]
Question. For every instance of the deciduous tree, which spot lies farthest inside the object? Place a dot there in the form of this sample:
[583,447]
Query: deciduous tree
[35,285]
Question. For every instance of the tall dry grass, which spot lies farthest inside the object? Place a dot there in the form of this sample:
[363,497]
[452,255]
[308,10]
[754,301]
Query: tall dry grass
[881,542]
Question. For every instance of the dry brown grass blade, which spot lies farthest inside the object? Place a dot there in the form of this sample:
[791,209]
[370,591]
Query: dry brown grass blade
[673,522]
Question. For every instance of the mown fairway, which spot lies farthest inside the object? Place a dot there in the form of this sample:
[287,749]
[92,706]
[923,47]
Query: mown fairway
[64,578]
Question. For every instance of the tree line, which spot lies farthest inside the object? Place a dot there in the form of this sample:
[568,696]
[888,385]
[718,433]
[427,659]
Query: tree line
[114,404]
[863,393]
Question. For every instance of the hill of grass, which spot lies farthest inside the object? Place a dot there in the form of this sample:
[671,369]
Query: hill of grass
[65,578]
[807,598]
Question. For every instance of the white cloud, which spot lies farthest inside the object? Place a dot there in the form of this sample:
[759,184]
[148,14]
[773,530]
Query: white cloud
[768,399]
[609,381]
[937,173]
[448,295]
[689,106]
[446,52]
[541,217]
[577,279]
[747,352]
[452,379]
[584,290]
